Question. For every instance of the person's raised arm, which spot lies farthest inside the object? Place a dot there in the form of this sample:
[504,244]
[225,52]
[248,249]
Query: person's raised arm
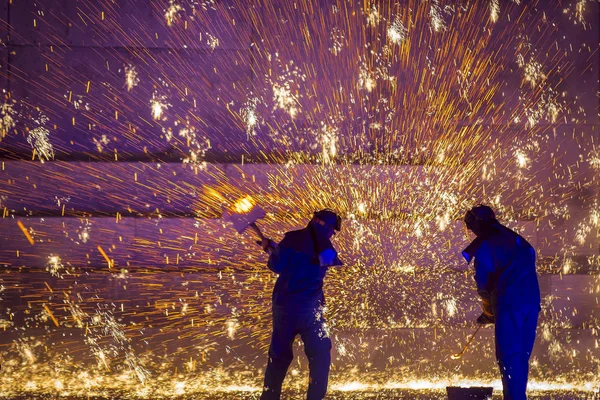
[278,256]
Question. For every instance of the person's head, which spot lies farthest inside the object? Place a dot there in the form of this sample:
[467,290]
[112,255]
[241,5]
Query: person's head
[480,219]
[326,222]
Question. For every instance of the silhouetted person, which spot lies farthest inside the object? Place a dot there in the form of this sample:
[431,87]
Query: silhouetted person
[508,285]
[301,259]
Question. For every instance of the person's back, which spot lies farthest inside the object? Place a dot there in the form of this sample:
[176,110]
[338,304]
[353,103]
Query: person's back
[508,285]
[300,282]
[510,261]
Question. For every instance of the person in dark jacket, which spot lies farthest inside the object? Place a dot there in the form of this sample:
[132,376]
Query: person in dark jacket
[301,259]
[508,285]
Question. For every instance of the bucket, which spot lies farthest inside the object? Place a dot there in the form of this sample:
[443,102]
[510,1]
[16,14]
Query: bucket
[469,393]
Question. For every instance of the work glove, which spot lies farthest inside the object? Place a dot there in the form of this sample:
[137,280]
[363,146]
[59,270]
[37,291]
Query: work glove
[485,319]
[327,257]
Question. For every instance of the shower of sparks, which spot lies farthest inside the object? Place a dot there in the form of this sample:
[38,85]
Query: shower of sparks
[590,225]
[232,326]
[250,117]
[284,99]
[533,73]
[61,200]
[158,104]
[465,85]
[399,117]
[366,80]
[100,143]
[55,266]
[533,117]
[522,159]
[286,87]
[494,10]
[196,144]
[7,118]
[337,41]
[397,32]
[437,18]
[77,101]
[212,41]
[172,13]
[84,233]
[580,10]
[204,4]
[373,16]
[40,142]
[329,138]
[552,109]
[443,221]
[131,77]
[594,159]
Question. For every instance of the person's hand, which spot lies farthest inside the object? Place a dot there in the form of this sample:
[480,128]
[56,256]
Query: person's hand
[267,245]
[485,319]
[327,257]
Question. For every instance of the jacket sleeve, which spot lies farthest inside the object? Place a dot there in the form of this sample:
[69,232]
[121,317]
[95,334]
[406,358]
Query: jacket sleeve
[279,258]
[484,269]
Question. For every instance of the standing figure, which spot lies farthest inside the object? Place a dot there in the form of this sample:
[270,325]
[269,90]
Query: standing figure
[508,285]
[301,259]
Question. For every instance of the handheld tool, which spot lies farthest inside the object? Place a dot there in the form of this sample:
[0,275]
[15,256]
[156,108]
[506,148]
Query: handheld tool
[243,221]
[244,217]
[459,355]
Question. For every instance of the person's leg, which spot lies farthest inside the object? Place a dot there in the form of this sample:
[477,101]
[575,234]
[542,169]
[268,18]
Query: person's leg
[529,335]
[509,353]
[317,346]
[280,356]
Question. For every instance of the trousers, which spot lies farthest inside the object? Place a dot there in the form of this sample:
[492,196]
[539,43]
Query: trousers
[515,336]
[317,346]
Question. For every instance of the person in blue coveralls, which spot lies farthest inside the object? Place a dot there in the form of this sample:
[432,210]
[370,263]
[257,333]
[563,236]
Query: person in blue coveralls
[508,285]
[301,259]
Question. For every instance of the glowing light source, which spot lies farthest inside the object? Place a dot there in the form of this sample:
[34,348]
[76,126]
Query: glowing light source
[243,205]
[397,32]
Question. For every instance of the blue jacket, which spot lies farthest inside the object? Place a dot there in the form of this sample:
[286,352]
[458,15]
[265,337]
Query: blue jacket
[504,269]
[299,286]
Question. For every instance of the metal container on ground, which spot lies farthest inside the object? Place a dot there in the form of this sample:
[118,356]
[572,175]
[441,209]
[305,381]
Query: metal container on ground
[469,393]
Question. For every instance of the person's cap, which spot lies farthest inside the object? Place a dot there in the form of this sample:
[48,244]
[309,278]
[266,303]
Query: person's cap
[330,218]
[481,213]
